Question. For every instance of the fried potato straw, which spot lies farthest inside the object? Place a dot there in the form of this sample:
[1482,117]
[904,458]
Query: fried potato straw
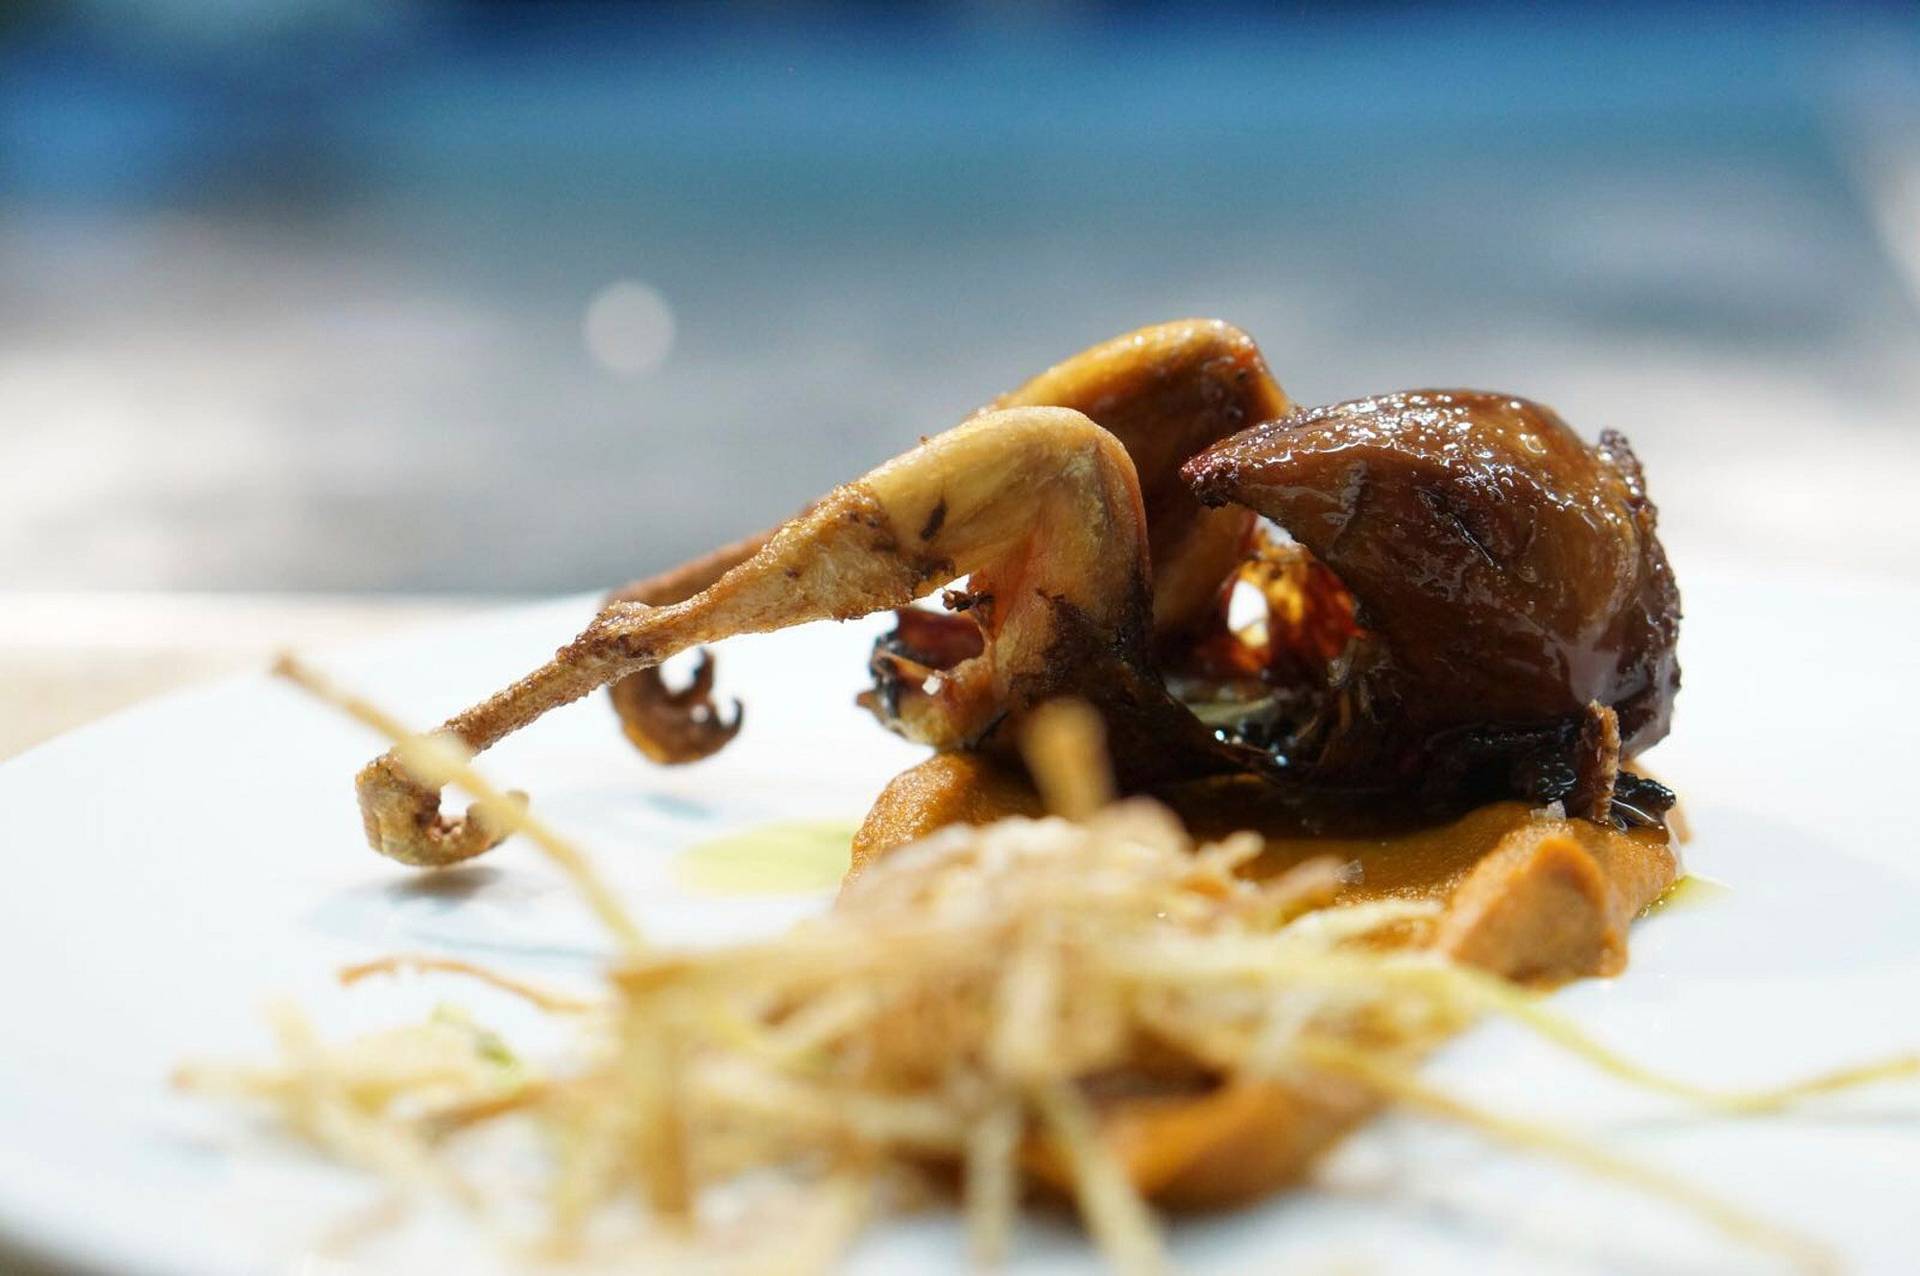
[980,1004]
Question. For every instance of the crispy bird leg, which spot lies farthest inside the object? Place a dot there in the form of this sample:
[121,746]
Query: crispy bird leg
[1040,500]
[1166,392]
[674,727]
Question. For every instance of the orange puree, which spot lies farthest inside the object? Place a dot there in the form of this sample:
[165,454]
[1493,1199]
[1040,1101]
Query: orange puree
[1532,897]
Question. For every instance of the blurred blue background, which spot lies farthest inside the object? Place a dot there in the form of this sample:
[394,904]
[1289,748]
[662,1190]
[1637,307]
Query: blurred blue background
[434,296]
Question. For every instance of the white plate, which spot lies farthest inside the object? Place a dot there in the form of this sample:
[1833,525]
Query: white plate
[172,869]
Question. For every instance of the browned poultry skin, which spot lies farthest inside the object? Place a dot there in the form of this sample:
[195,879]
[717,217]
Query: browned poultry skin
[1517,617]
[1507,574]
[1039,499]
[1168,392]
[1165,392]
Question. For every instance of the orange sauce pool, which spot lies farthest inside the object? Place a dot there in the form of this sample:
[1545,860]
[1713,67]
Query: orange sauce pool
[1418,861]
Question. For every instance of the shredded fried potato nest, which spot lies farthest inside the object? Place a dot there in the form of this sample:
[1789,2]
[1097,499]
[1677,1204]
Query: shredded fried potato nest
[953,1017]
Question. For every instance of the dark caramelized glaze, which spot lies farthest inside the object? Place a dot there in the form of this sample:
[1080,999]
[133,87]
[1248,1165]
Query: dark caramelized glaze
[1508,578]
